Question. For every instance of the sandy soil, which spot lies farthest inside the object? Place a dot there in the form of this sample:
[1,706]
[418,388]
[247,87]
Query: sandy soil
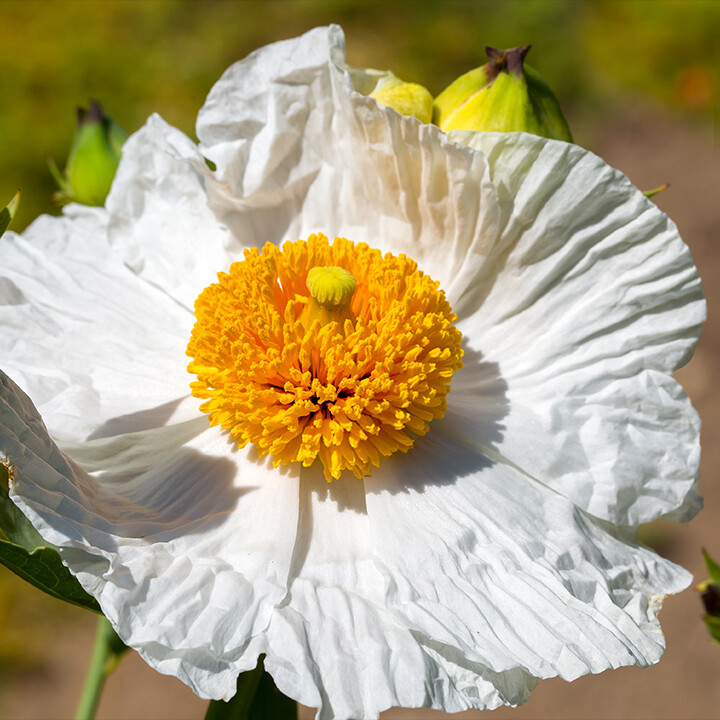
[651,149]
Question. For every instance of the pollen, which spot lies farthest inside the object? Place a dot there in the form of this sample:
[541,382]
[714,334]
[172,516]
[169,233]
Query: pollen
[328,352]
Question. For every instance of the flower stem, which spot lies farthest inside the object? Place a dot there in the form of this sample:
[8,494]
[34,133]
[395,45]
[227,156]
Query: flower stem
[105,656]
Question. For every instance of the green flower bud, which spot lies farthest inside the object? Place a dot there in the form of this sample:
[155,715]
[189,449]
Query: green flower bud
[93,159]
[8,212]
[389,90]
[710,590]
[503,95]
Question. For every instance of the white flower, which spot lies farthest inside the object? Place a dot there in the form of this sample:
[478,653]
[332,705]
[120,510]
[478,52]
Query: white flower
[497,550]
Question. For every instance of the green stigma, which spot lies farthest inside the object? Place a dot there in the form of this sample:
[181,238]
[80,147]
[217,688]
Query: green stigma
[332,287]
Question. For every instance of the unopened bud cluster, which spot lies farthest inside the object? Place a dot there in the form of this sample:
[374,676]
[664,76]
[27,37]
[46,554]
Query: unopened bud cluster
[504,95]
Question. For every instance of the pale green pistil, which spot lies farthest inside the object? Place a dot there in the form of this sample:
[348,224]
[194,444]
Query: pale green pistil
[331,287]
[331,290]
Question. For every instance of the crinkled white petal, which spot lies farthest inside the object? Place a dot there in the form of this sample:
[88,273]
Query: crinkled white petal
[98,349]
[587,302]
[479,557]
[333,644]
[190,547]
[627,452]
[584,266]
[184,540]
[302,153]
[160,219]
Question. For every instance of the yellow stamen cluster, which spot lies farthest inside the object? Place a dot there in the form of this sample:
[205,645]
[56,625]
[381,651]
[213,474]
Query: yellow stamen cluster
[324,351]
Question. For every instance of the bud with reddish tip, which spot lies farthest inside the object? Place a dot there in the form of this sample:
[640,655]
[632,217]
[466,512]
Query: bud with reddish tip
[504,95]
[710,590]
[93,158]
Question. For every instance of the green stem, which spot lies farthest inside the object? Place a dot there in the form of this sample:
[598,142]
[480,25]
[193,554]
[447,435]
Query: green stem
[102,663]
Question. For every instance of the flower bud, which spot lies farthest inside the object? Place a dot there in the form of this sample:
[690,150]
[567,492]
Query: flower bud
[502,96]
[8,212]
[710,590]
[389,90]
[93,158]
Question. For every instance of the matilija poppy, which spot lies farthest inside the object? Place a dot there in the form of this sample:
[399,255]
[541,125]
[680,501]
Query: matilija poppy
[438,384]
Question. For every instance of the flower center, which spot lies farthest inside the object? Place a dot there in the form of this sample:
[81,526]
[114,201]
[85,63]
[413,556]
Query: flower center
[324,351]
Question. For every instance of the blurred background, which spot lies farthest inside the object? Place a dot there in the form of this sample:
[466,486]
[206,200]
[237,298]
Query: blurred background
[639,82]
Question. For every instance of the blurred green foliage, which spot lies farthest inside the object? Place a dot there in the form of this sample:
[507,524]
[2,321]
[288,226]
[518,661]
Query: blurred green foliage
[140,57]
[26,617]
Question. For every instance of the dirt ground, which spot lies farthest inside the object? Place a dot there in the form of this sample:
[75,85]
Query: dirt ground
[651,149]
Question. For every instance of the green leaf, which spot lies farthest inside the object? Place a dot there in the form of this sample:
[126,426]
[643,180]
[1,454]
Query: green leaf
[713,568]
[43,568]
[8,213]
[23,550]
[713,625]
[15,526]
[256,698]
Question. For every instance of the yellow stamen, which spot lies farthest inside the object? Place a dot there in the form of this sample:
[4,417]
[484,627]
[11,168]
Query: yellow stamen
[320,351]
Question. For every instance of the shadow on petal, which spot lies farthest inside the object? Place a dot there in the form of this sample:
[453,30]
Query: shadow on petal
[513,686]
[477,402]
[154,483]
[192,492]
[137,421]
[346,492]
[455,445]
